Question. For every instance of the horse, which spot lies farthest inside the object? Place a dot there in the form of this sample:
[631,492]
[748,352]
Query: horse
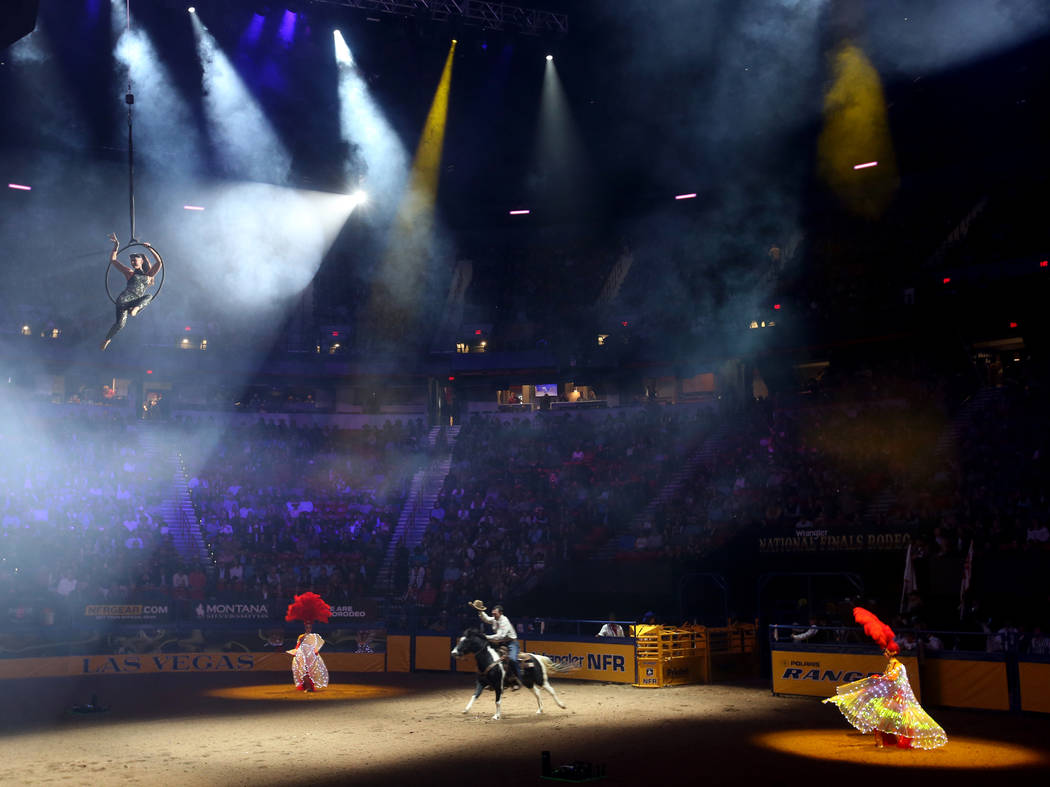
[535,670]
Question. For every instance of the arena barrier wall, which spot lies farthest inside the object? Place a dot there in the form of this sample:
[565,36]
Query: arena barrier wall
[966,683]
[675,656]
[433,652]
[1035,686]
[398,653]
[817,674]
[136,664]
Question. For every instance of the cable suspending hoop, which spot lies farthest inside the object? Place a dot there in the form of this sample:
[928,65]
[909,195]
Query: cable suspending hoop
[129,99]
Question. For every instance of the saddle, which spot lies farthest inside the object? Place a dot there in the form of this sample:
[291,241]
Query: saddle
[504,654]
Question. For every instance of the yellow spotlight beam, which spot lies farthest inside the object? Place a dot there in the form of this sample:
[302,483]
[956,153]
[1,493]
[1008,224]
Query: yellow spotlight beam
[856,132]
[426,165]
[395,297]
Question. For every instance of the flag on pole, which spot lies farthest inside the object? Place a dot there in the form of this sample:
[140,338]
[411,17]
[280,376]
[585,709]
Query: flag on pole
[909,579]
[964,586]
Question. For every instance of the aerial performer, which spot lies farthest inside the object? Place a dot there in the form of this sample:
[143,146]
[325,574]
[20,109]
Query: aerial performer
[135,296]
[308,669]
[885,704]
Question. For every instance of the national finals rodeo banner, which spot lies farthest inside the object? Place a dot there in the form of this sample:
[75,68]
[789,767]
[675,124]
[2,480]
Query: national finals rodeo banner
[818,674]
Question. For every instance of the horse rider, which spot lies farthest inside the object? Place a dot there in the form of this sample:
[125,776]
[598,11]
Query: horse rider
[504,634]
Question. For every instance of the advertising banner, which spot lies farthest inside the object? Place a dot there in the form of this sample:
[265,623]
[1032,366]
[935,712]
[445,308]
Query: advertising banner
[129,613]
[605,661]
[232,611]
[361,611]
[825,541]
[818,674]
[180,663]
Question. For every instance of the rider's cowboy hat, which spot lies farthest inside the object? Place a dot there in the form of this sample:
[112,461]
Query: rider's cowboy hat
[478,604]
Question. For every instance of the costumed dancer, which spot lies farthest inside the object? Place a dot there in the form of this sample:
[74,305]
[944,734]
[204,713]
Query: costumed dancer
[134,298]
[308,669]
[885,704]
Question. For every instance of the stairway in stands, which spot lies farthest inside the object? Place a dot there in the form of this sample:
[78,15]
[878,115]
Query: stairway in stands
[423,492]
[884,500]
[176,507]
[706,455]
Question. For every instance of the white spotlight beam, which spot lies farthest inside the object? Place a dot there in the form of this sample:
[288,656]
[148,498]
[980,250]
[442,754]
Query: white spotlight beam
[272,240]
[244,139]
[165,131]
[362,123]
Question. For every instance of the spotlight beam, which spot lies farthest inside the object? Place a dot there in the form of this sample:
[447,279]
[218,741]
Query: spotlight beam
[246,144]
[392,309]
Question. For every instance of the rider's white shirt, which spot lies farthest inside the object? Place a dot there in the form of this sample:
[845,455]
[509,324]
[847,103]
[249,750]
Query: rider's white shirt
[504,629]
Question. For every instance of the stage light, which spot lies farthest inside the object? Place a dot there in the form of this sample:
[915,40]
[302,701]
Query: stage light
[192,10]
[19,187]
[1044,263]
[866,165]
[192,207]
[360,197]
[946,280]
[519,212]
[691,195]
[550,58]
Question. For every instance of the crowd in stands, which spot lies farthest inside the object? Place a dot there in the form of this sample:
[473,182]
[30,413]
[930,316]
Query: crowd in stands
[289,509]
[523,493]
[79,511]
[284,509]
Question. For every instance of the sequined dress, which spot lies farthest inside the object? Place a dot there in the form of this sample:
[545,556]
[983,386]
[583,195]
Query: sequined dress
[308,668]
[134,290]
[886,703]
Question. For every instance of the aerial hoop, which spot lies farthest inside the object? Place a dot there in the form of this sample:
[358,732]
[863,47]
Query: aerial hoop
[109,265]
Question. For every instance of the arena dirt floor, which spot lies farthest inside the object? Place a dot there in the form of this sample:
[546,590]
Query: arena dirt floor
[383,729]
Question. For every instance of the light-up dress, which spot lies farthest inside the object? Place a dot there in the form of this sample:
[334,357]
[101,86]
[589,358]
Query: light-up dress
[308,668]
[885,703]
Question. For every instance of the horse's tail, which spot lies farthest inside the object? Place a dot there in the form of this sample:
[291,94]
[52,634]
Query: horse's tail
[552,666]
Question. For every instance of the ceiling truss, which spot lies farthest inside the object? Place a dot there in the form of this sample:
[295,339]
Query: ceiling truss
[483,13]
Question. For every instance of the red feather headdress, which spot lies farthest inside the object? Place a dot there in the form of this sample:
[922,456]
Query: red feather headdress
[876,629]
[309,607]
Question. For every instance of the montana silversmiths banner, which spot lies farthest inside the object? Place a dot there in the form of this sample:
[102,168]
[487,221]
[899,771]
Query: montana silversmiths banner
[231,610]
